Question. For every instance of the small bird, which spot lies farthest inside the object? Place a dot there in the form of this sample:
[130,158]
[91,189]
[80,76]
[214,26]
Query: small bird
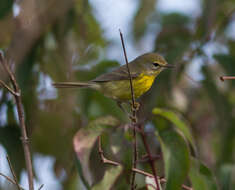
[116,84]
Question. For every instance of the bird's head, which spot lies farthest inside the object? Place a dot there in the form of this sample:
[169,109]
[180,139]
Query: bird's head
[153,63]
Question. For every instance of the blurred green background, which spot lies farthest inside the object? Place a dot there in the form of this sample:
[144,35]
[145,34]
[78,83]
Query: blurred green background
[76,40]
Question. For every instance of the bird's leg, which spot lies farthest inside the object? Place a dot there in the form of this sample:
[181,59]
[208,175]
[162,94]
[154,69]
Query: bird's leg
[135,107]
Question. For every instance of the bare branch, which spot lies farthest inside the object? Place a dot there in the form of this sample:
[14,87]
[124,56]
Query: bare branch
[8,88]
[142,172]
[10,180]
[151,159]
[41,187]
[223,78]
[162,180]
[20,111]
[101,153]
[128,69]
[13,173]
[134,116]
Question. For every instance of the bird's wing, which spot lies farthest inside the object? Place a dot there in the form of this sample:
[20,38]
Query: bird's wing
[120,73]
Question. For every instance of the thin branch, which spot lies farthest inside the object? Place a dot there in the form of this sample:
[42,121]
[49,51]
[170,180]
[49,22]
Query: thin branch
[151,159]
[41,187]
[134,170]
[20,111]
[162,180]
[223,78]
[101,153]
[10,180]
[13,173]
[128,68]
[142,172]
[8,88]
[134,110]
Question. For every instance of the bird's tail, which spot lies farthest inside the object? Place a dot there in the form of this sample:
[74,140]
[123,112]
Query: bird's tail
[75,85]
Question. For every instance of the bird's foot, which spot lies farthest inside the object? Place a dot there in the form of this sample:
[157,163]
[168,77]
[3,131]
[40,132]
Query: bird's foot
[136,106]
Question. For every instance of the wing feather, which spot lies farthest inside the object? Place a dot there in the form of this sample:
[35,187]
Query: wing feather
[120,73]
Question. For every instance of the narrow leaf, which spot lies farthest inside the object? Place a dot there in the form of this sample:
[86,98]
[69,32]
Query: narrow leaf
[175,154]
[179,123]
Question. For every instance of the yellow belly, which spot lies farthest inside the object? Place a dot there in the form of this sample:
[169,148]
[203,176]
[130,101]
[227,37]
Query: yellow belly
[120,90]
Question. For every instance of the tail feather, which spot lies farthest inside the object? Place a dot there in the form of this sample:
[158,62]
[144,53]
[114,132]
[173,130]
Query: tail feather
[73,85]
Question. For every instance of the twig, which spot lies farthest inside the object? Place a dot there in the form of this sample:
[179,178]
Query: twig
[223,78]
[20,112]
[128,69]
[41,187]
[162,180]
[10,180]
[101,153]
[134,119]
[151,159]
[13,173]
[142,172]
[8,88]
[134,170]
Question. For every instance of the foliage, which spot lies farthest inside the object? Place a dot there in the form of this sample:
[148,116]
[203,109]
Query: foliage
[175,154]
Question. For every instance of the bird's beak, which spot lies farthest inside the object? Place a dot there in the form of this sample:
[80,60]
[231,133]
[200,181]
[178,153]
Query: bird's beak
[169,66]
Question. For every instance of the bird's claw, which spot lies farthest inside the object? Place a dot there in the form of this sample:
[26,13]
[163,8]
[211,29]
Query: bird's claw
[135,107]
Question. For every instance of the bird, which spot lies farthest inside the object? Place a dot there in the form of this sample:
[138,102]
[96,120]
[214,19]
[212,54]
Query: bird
[116,84]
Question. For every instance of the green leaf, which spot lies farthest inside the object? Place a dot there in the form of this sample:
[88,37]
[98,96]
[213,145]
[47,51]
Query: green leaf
[109,178]
[201,177]
[176,156]
[5,7]
[85,139]
[179,123]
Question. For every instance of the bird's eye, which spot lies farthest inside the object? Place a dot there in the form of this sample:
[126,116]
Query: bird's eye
[156,64]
